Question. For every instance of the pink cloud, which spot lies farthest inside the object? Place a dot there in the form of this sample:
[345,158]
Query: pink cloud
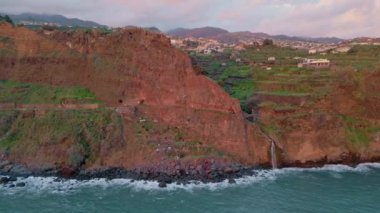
[344,18]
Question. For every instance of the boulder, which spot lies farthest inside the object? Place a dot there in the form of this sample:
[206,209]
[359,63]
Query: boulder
[231,181]
[162,185]
[4,180]
[21,184]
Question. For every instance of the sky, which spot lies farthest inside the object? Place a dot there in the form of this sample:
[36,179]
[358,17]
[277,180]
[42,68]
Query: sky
[314,18]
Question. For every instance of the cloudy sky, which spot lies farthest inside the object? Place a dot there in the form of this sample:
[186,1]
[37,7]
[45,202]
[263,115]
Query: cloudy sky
[342,18]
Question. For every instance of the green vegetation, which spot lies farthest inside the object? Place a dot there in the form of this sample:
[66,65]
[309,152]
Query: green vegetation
[6,18]
[284,93]
[358,131]
[27,93]
[256,75]
[278,106]
[5,39]
[267,42]
[193,150]
[360,58]
[235,78]
[284,56]
[102,64]
[272,129]
[82,130]
[8,46]
[6,120]
[290,97]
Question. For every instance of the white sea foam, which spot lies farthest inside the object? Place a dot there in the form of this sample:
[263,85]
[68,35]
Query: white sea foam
[54,185]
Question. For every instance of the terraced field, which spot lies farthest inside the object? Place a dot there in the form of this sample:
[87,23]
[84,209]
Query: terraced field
[279,95]
[282,78]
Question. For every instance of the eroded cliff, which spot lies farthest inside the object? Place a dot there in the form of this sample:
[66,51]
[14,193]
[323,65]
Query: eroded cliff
[169,112]
[171,116]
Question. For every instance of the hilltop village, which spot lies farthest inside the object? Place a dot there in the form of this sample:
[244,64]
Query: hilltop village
[314,59]
[208,46]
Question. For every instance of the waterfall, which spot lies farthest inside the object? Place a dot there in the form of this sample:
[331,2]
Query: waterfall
[273,155]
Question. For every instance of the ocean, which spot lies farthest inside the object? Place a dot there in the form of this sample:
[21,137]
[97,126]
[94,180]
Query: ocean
[332,188]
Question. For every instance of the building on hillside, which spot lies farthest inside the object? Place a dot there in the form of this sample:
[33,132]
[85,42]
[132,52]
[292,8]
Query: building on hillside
[312,51]
[342,49]
[271,59]
[315,63]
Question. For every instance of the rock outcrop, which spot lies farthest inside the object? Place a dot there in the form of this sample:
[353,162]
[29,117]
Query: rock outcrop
[169,112]
[140,72]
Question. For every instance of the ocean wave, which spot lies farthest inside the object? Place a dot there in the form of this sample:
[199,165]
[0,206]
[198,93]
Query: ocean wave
[55,185]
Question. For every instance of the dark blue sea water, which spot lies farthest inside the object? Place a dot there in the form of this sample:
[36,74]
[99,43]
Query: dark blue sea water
[334,188]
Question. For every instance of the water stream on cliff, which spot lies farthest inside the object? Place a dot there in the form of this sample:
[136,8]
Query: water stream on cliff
[273,155]
[333,188]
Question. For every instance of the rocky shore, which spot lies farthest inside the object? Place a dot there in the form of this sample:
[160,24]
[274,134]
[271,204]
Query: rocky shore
[207,172]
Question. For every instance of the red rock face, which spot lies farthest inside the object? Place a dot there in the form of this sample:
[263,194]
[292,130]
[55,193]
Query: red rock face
[139,69]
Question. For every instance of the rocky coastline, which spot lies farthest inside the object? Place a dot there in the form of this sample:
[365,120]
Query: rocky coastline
[206,172]
[9,172]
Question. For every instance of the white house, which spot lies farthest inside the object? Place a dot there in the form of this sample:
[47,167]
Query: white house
[315,63]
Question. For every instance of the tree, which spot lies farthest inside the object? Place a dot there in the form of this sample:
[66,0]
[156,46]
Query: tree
[268,42]
[6,18]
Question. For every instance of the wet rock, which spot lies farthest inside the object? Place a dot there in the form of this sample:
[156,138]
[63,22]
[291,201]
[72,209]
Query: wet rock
[145,175]
[57,180]
[162,185]
[12,179]
[4,163]
[21,184]
[199,168]
[4,180]
[67,172]
[237,169]
[7,168]
[20,170]
[11,186]
[228,170]
[231,181]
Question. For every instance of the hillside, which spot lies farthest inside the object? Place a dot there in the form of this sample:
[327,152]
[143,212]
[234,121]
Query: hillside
[234,37]
[323,40]
[315,116]
[216,33]
[60,20]
[170,115]
[158,115]
[203,32]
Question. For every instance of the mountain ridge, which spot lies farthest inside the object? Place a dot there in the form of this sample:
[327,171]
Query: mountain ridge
[54,18]
[233,37]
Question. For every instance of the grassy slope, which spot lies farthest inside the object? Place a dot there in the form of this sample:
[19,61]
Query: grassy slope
[285,79]
[26,93]
[25,132]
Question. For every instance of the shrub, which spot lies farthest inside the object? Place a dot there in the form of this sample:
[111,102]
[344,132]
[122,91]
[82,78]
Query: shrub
[6,18]
[268,42]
